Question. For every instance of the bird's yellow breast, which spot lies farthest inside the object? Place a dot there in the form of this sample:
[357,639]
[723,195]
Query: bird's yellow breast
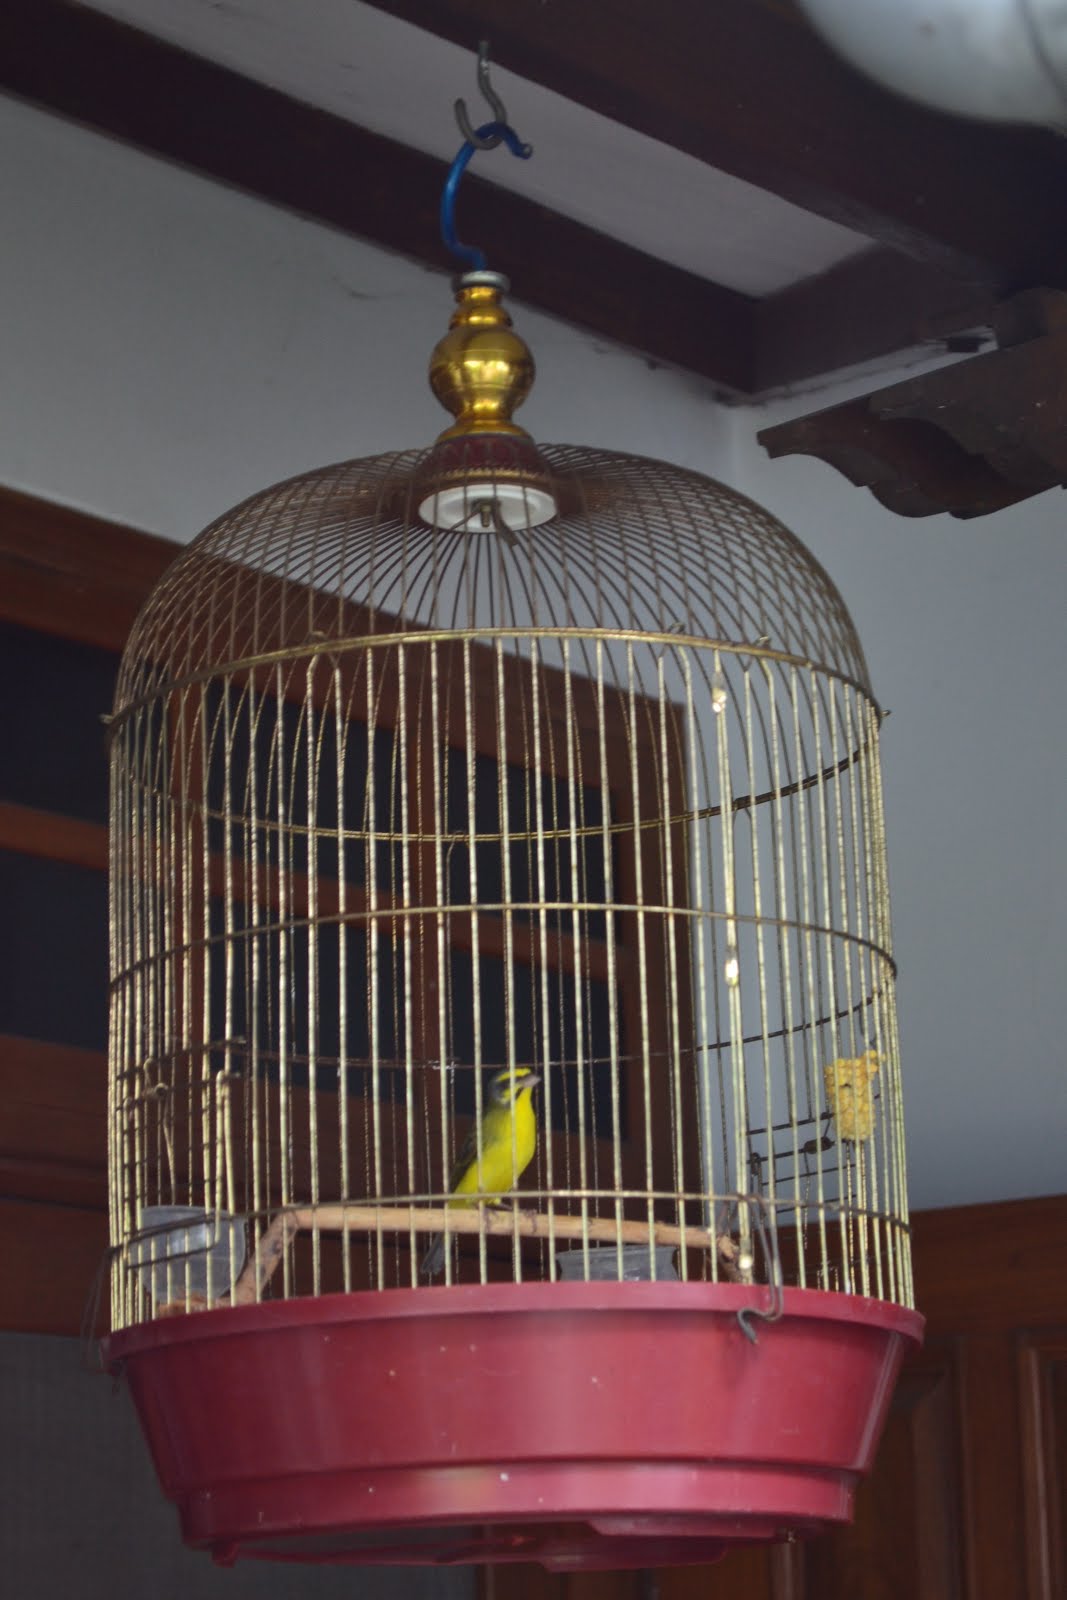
[505,1153]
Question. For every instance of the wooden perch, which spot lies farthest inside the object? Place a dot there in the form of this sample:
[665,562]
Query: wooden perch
[419,1219]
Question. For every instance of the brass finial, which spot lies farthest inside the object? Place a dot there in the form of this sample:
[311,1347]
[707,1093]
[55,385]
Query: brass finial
[481,370]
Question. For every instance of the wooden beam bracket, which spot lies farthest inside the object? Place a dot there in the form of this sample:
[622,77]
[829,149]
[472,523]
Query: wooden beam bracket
[966,439]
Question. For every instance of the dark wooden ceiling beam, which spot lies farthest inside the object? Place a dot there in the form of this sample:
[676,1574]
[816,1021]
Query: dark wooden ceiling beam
[745,86]
[136,88]
[863,309]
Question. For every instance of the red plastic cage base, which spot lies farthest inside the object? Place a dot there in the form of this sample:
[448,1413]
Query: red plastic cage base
[581,1425]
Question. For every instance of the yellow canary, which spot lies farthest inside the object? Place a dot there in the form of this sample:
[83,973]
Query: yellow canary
[496,1153]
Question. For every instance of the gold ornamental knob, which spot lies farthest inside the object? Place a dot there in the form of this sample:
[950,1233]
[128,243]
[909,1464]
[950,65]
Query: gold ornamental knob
[481,371]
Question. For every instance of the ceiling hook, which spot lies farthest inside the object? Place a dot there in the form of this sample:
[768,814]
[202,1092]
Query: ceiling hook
[487,137]
[489,94]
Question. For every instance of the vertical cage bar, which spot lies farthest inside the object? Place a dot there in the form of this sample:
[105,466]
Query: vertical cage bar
[311,757]
[642,954]
[344,1050]
[612,959]
[410,827]
[372,984]
[667,826]
[282,1013]
[476,985]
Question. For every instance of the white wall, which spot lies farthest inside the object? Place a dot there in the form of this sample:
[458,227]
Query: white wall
[169,346]
[963,626]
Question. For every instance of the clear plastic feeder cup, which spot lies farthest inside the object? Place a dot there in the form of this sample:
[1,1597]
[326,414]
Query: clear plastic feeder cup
[184,1253]
[604,1263]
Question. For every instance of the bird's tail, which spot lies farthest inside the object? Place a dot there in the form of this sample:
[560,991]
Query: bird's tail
[434,1260]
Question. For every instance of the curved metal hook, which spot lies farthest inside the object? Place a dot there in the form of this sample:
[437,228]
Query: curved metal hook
[492,99]
[772,1260]
[498,133]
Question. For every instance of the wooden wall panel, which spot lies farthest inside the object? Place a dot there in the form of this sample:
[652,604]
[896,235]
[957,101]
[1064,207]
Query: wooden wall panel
[53,1135]
[993,1268]
[746,1573]
[72,574]
[525,1581]
[52,1256]
[993,1529]
[1043,1395]
[905,1539]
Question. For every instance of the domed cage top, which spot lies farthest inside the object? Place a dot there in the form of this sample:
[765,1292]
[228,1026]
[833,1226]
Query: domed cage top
[577,787]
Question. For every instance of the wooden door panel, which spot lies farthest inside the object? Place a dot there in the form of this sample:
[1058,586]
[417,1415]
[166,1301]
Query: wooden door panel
[905,1539]
[743,1573]
[1043,1400]
[994,1536]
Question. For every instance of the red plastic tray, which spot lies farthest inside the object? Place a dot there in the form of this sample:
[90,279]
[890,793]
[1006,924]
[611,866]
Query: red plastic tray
[579,1425]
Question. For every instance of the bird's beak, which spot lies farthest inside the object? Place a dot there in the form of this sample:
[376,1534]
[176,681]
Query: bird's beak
[530,1081]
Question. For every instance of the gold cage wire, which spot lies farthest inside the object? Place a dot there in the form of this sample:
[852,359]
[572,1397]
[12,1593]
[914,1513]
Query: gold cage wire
[396,807]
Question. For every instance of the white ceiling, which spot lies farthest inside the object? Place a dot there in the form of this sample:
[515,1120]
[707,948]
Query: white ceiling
[394,79]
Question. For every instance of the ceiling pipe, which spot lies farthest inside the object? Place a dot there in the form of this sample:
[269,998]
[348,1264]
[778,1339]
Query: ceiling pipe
[1001,60]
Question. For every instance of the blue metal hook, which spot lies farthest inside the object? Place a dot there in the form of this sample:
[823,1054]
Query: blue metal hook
[487,137]
[469,254]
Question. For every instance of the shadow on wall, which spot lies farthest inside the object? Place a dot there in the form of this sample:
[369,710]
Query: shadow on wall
[81,1515]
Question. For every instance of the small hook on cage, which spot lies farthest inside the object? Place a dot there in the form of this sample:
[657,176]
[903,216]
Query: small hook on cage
[487,137]
[769,1247]
[490,516]
[674,629]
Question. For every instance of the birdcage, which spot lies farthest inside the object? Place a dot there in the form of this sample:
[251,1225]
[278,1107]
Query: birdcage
[505,1123]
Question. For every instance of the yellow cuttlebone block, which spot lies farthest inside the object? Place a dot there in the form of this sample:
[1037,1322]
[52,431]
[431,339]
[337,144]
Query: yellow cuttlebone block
[850,1093]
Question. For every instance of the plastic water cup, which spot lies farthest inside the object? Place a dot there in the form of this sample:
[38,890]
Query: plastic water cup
[186,1252]
[604,1263]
